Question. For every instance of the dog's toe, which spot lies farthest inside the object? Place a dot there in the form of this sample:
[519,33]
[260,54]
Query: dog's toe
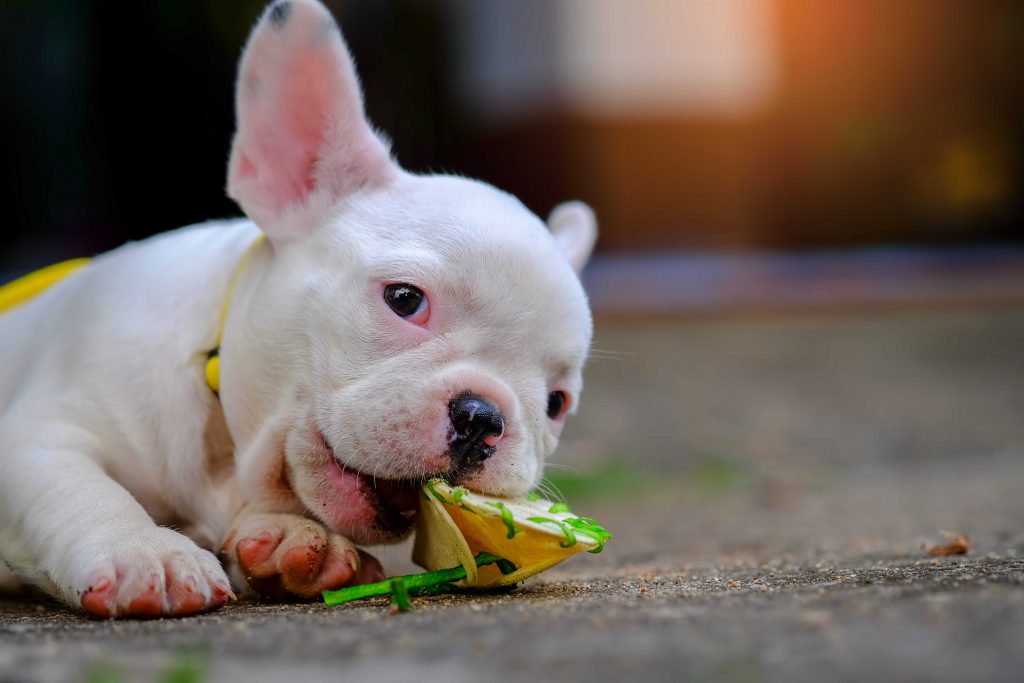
[369,570]
[147,604]
[300,565]
[98,598]
[255,551]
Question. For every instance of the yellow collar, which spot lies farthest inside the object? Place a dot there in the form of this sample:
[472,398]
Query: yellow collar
[213,358]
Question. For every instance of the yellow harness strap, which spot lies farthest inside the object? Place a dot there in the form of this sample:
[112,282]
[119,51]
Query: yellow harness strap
[24,288]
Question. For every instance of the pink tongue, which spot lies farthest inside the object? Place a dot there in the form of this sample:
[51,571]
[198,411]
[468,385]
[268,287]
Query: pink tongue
[401,495]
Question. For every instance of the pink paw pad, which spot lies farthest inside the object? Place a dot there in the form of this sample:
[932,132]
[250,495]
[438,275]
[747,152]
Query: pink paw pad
[253,552]
[301,564]
[97,598]
[184,597]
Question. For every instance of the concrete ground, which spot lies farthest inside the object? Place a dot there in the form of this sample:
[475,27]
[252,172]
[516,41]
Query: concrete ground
[772,484]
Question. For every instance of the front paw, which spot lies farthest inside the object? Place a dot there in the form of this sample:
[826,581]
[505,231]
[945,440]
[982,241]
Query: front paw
[154,573]
[282,556]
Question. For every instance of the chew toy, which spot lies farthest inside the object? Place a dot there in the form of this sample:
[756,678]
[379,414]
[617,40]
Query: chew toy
[471,540]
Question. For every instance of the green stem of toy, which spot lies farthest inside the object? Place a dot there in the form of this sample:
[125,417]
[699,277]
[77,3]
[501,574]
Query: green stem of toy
[427,583]
[399,595]
[413,583]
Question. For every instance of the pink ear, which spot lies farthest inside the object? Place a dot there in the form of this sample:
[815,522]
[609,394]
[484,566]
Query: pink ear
[301,127]
[575,230]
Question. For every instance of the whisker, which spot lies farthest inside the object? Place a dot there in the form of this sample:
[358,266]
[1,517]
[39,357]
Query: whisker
[611,353]
[550,491]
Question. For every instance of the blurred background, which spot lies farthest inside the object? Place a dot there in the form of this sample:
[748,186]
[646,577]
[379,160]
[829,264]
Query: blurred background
[809,281]
[704,124]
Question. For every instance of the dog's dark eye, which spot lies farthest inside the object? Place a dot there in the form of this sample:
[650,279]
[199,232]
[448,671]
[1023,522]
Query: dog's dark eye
[405,300]
[556,403]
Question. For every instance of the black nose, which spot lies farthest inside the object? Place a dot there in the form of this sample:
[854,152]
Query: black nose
[477,426]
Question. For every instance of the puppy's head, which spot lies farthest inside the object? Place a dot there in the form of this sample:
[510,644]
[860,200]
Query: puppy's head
[401,326]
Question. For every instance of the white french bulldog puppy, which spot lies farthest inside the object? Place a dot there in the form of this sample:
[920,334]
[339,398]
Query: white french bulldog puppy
[390,328]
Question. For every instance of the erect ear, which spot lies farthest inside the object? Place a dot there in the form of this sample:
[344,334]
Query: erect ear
[302,137]
[575,230]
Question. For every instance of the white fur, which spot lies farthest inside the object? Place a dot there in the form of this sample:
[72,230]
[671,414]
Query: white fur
[108,431]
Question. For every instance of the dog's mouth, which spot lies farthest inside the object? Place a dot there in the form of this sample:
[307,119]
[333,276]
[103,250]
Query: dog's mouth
[400,495]
[368,508]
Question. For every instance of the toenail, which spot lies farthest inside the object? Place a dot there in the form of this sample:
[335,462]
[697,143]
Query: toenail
[353,560]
